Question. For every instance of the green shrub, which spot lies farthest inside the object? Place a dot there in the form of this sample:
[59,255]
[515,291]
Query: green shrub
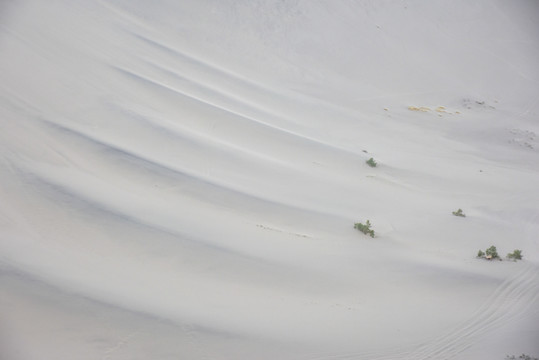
[480,253]
[459,213]
[491,251]
[371,162]
[365,228]
[515,255]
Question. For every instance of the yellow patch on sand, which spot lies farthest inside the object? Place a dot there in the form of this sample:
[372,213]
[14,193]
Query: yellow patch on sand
[420,108]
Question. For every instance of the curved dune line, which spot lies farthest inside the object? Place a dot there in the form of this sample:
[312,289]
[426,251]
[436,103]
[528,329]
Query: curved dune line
[200,186]
[226,109]
[236,86]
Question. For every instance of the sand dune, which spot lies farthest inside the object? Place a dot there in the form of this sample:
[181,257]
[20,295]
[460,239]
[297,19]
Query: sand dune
[180,179]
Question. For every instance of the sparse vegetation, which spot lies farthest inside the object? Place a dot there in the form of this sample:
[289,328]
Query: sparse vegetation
[365,228]
[491,252]
[371,162]
[515,255]
[459,213]
[521,357]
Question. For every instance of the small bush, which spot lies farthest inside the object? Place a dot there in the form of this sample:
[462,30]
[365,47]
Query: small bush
[371,162]
[365,228]
[480,253]
[521,357]
[491,251]
[515,255]
[459,213]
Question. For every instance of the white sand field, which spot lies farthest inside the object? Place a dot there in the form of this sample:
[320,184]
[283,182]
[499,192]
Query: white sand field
[180,179]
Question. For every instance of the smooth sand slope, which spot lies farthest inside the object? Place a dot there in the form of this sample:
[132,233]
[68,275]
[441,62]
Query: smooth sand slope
[180,179]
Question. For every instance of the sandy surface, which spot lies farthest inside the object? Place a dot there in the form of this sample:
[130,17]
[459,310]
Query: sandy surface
[181,179]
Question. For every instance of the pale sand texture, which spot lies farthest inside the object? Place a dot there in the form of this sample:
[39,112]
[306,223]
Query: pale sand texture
[180,179]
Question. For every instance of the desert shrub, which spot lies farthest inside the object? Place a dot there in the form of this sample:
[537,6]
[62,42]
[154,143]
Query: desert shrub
[480,253]
[515,255]
[365,228]
[491,251]
[371,162]
[521,357]
[459,213]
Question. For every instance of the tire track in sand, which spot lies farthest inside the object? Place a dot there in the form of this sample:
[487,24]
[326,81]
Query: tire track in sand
[510,300]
